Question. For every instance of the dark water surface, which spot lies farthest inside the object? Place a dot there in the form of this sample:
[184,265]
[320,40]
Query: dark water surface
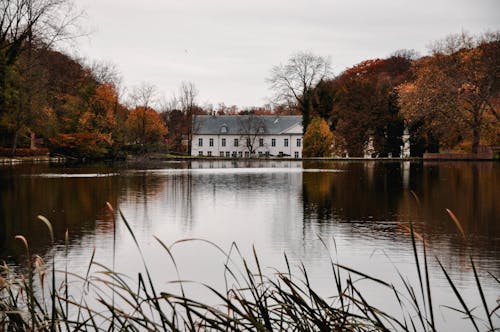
[276,206]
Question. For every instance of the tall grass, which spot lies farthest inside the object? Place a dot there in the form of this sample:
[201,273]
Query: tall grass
[251,299]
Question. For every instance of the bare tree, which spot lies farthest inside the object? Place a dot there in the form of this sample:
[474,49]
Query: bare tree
[293,82]
[251,129]
[187,99]
[141,99]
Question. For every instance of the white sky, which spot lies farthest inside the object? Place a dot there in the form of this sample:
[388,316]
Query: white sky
[227,47]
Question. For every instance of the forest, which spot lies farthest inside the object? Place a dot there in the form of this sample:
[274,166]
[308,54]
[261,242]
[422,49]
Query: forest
[53,102]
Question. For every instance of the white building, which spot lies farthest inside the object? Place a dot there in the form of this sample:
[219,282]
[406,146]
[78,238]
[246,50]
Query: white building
[244,136]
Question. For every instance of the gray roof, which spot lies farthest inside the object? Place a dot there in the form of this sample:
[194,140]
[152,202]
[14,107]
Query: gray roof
[244,124]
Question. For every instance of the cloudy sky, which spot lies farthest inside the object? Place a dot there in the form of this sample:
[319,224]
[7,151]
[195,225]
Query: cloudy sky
[227,47]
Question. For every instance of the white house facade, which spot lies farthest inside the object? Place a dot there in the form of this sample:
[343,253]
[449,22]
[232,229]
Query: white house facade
[244,136]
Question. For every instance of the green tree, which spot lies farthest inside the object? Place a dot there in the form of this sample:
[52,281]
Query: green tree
[318,139]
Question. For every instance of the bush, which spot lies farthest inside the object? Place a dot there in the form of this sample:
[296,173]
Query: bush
[24,152]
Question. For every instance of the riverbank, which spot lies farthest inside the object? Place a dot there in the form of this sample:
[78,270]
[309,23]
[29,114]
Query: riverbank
[166,157]
[32,159]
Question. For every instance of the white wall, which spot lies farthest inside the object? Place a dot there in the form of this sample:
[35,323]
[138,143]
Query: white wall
[217,147]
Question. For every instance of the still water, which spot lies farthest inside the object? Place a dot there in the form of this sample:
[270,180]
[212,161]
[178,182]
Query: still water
[358,209]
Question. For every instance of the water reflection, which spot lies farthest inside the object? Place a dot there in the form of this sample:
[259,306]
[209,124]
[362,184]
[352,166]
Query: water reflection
[278,206]
[371,199]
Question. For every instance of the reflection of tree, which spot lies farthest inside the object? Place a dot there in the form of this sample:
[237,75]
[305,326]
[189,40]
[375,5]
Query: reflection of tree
[469,190]
[350,194]
[76,204]
[373,206]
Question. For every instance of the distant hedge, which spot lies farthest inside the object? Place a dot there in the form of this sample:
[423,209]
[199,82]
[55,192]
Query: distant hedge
[24,152]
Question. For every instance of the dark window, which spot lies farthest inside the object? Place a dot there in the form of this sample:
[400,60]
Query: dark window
[299,142]
[286,141]
[200,141]
[223,142]
[236,142]
[211,142]
[273,142]
[261,142]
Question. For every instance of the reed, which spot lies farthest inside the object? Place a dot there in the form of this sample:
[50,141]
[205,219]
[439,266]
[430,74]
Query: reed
[252,299]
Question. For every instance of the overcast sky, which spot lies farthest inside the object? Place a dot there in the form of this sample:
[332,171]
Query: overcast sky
[227,47]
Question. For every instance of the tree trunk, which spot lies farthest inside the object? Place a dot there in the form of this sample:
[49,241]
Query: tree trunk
[32,140]
[475,139]
[14,143]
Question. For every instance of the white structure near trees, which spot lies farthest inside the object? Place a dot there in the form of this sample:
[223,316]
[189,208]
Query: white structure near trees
[244,136]
[405,148]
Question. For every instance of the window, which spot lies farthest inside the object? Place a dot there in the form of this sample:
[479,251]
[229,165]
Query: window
[267,153]
[209,153]
[240,154]
[223,142]
[200,153]
[236,142]
[211,142]
[247,154]
[273,142]
[228,154]
[296,154]
[200,141]
[223,129]
[260,153]
[248,141]
[286,141]
[221,153]
[261,142]
[299,142]
[233,154]
[281,154]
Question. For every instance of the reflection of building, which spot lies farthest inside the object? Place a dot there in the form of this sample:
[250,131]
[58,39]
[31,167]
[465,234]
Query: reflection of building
[247,135]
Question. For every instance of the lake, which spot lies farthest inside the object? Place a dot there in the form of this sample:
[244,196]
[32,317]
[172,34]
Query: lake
[356,212]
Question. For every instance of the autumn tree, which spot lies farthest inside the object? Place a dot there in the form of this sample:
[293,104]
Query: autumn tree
[27,26]
[365,105]
[318,139]
[144,126]
[455,89]
[293,82]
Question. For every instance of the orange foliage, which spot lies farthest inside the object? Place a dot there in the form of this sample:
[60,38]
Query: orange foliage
[144,125]
[318,139]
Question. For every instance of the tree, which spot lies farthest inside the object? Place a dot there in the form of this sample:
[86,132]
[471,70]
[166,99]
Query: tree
[144,126]
[318,139]
[456,89]
[26,25]
[252,128]
[187,99]
[293,82]
[365,105]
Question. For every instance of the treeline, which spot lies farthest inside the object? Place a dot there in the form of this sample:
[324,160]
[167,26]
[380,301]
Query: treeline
[448,100]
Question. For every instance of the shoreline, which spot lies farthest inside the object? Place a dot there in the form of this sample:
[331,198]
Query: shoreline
[153,158]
